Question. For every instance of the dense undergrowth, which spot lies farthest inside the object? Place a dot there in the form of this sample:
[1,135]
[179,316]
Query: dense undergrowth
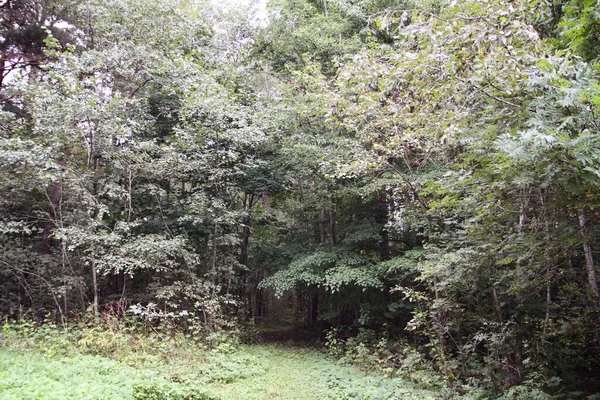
[87,361]
[372,351]
[132,359]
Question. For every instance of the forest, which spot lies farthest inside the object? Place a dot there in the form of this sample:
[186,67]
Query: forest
[397,198]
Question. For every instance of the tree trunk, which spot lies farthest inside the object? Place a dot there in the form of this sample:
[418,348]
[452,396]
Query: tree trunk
[441,319]
[325,8]
[313,308]
[548,299]
[522,219]
[248,203]
[497,307]
[95,190]
[549,274]
[95,286]
[589,259]
[129,193]
[244,245]
[213,261]
[259,307]
[332,239]
[382,217]
[55,199]
[322,226]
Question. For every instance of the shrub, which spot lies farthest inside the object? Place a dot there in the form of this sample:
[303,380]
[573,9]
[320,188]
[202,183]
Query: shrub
[369,352]
[168,391]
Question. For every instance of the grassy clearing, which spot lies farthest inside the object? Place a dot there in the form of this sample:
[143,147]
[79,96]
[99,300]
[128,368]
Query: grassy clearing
[32,375]
[299,374]
[98,365]
[255,372]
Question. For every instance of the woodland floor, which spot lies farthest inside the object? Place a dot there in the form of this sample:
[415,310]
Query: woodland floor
[263,371]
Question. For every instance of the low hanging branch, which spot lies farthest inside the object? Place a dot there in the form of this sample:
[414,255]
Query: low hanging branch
[388,13]
[139,87]
[482,90]
[16,270]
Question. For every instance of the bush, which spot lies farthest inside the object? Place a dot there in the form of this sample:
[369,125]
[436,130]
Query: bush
[168,391]
[369,352]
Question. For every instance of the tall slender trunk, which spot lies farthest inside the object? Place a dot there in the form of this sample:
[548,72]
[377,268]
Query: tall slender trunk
[382,217]
[259,302]
[548,299]
[95,190]
[129,192]
[245,241]
[496,302]
[54,199]
[251,292]
[248,204]
[63,253]
[441,319]
[167,193]
[584,229]
[213,261]
[549,274]
[522,218]
[244,245]
[94,285]
[313,307]
[124,285]
[3,74]
[332,239]
[322,226]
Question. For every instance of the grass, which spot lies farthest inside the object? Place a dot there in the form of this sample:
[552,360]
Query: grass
[90,366]
[255,372]
[31,375]
[298,374]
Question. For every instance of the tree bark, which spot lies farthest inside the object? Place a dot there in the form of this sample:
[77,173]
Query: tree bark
[382,217]
[95,286]
[55,199]
[95,190]
[332,239]
[313,308]
[522,219]
[248,203]
[129,192]
[549,274]
[213,261]
[496,301]
[322,226]
[589,259]
[259,306]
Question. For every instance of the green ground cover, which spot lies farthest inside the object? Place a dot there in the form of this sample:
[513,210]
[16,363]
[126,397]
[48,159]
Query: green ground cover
[248,372]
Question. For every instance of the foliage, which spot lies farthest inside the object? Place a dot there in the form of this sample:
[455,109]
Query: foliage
[371,351]
[192,373]
[427,169]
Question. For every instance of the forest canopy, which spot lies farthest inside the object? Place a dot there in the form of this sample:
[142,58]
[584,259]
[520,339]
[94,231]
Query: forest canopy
[425,170]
